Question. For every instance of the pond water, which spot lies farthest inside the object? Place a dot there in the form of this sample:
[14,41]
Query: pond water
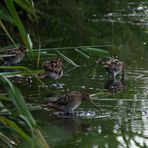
[124,122]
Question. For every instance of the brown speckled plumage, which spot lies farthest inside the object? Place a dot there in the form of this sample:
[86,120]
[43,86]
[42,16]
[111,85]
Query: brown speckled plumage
[68,102]
[14,56]
[114,66]
[53,69]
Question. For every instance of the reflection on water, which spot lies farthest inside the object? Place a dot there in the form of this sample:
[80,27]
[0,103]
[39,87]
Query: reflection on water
[114,85]
[71,124]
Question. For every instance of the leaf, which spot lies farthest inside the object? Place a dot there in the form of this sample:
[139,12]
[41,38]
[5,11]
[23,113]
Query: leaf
[4,15]
[34,73]
[82,53]
[15,127]
[5,30]
[28,6]
[17,99]
[7,140]
[97,51]
[15,67]
[2,97]
[30,41]
[19,102]
[3,49]
[67,59]
[42,53]
[18,23]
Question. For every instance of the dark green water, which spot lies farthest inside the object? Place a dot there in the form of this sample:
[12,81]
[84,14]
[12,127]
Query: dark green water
[122,24]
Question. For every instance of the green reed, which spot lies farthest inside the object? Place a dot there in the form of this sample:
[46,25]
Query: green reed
[17,99]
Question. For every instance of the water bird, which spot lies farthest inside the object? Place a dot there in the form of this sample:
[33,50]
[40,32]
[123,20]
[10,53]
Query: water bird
[69,102]
[53,69]
[14,55]
[114,66]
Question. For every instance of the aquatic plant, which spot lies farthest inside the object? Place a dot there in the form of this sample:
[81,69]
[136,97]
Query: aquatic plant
[18,118]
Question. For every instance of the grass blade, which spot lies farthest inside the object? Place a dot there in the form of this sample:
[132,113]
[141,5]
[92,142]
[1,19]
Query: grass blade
[27,6]
[7,140]
[18,23]
[5,30]
[15,127]
[5,16]
[97,51]
[19,102]
[67,59]
[17,99]
[82,53]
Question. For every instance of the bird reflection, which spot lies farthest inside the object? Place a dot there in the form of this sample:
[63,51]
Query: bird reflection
[70,124]
[114,85]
